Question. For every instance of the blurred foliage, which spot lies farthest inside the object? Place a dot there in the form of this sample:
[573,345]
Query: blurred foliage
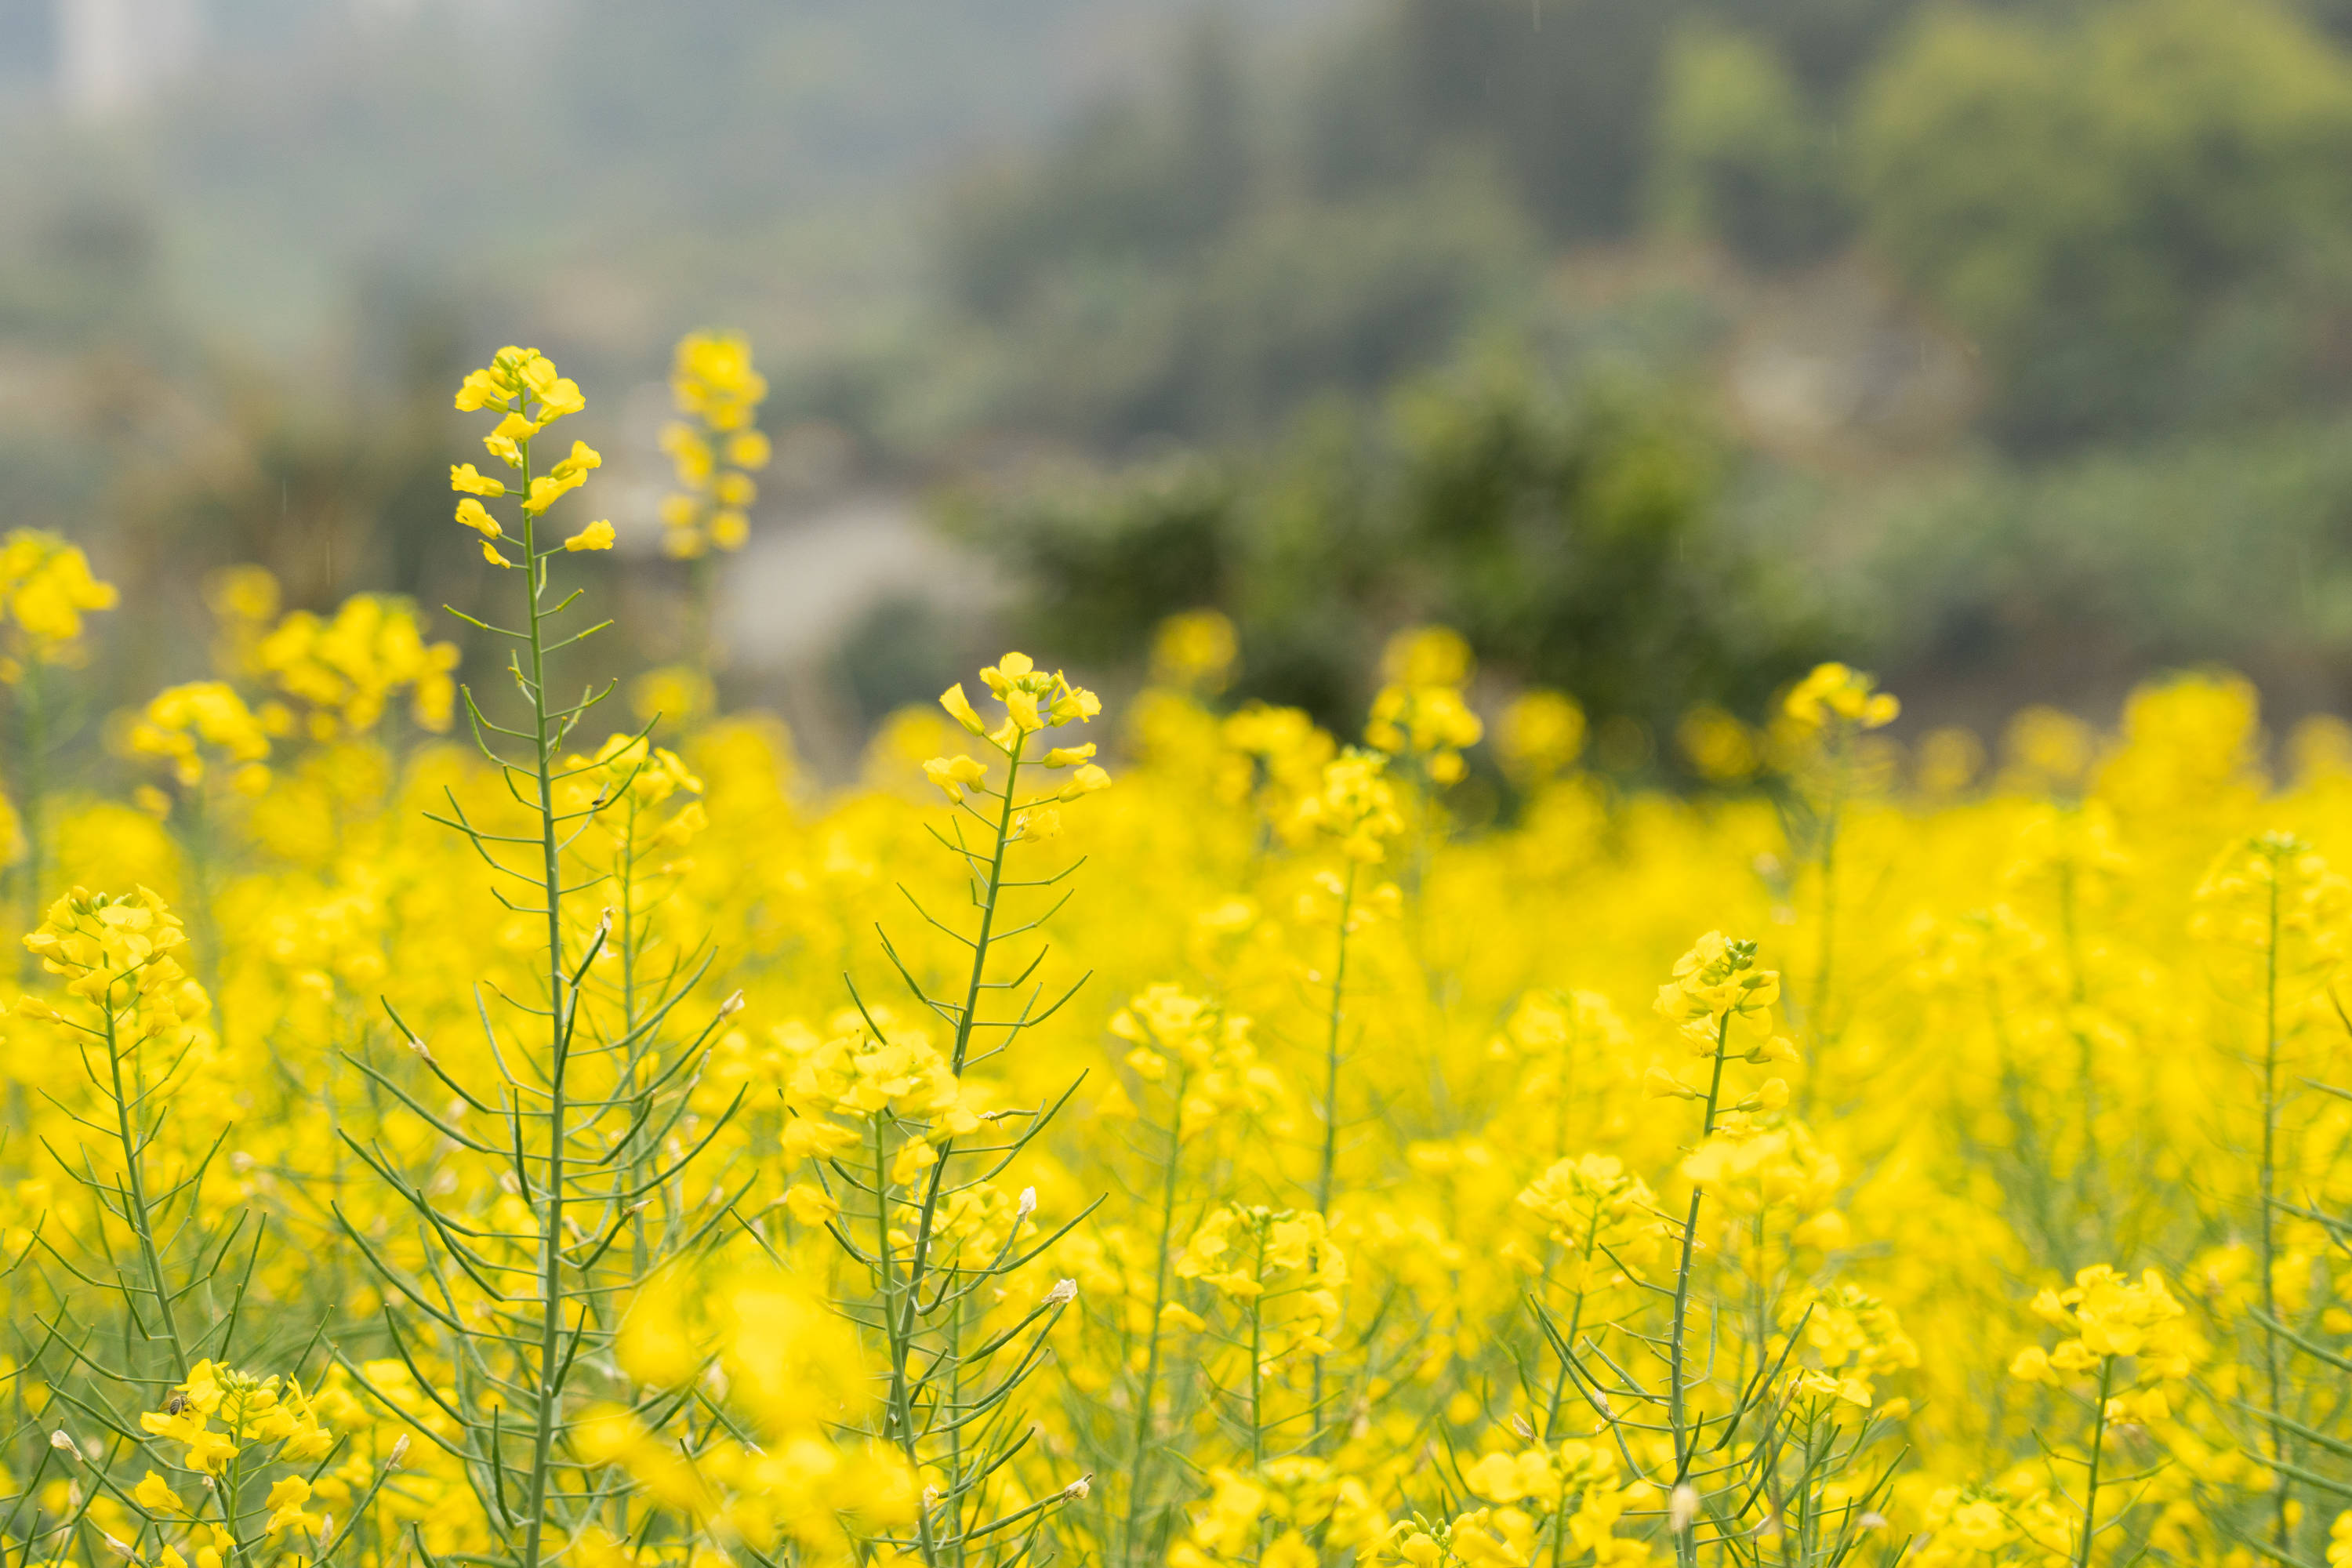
[1742,154]
[2219,549]
[1229,292]
[2133,207]
[1166,271]
[2101,201]
[1570,534]
[2130,211]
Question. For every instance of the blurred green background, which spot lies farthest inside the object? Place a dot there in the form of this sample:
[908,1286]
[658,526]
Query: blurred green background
[1661,346]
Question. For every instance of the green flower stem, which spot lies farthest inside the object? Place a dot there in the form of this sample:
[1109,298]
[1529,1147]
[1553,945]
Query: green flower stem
[1678,1415]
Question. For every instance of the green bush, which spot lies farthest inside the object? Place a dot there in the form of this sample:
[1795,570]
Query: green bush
[1572,534]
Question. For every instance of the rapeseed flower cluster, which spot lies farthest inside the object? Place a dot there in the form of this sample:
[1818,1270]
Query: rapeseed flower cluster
[46,589]
[1170,1134]
[714,445]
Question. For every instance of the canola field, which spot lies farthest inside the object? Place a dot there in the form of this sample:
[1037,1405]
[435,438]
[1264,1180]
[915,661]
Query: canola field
[530,1124]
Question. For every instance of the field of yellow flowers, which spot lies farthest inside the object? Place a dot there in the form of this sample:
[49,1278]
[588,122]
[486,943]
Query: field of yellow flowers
[527,1124]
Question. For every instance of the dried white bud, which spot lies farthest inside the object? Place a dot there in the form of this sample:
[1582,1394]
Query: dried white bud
[1028,1202]
[399,1452]
[326,1528]
[1063,1292]
[1682,1507]
[119,1548]
[733,1005]
[1519,1425]
[1080,1486]
[63,1443]
[931,1497]
[1873,1520]
[605,925]
[420,1047]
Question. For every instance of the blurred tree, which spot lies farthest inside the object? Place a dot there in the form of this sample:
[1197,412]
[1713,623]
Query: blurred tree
[1304,299]
[1563,93]
[1742,154]
[1573,536]
[1126,186]
[2084,195]
[1827,44]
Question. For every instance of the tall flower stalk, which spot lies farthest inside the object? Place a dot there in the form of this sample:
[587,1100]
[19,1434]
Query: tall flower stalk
[526,1322]
[941,1243]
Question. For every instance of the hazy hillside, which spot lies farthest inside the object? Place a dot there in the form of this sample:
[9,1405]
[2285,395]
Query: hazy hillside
[315,150]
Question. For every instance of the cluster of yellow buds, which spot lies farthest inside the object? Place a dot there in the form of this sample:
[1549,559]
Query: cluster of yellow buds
[2109,1318]
[1210,1054]
[1279,1258]
[1542,735]
[1353,804]
[347,667]
[1537,1479]
[857,1073]
[631,768]
[522,386]
[250,1410]
[2274,877]
[1855,1338]
[1195,651]
[95,942]
[1167,1025]
[44,588]
[1606,1216]
[1277,753]
[1981,1524]
[1720,1000]
[793,1369]
[1716,984]
[628,787]
[1476,1540]
[1719,747]
[203,724]
[1836,694]
[1269,1516]
[676,697]
[1768,1162]
[1421,712]
[1033,701]
[713,446]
